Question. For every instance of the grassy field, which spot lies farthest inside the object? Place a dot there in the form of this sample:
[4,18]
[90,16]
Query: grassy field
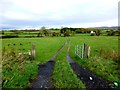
[103,64]
[21,34]
[14,71]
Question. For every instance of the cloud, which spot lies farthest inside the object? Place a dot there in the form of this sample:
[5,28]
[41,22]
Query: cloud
[58,12]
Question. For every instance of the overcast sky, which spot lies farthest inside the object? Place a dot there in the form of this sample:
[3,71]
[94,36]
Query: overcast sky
[57,13]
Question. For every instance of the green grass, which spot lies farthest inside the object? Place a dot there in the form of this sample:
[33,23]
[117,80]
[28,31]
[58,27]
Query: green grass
[23,33]
[63,75]
[16,73]
[106,68]
[46,47]
[20,33]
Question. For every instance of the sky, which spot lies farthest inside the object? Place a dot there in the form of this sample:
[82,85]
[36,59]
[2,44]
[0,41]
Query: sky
[58,13]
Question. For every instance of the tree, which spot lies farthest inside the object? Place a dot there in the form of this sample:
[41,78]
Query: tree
[41,31]
[110,33]
[17,32]
[66,33]
[54,34]
[72,33]
[43,28]
[78,31]
[98,32]
[2,32]
[63,30]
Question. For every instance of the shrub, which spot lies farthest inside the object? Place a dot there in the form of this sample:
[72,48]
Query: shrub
[98,32]
[13,68]
[111,33]
[67,33]
[10,36]
[107,54]
[92,34]
[54,34]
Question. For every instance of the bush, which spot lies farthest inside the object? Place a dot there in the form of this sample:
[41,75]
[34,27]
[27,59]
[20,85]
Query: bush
[111,33]
[98,32]
[92,34]
[13,68]
[67,33]
[107,54]
[54,34]
[10,36]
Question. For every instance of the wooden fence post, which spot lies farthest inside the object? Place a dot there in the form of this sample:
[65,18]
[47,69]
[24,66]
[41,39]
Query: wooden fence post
[88,51]
[75,49]
[84,50]
[33,51]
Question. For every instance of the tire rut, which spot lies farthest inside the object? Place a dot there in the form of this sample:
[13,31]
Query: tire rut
[91,80]
[43,79]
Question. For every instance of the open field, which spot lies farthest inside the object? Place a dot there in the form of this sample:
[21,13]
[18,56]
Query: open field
[45,49]
[101,64]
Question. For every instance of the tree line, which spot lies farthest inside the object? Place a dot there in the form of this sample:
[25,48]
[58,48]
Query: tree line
[65,31]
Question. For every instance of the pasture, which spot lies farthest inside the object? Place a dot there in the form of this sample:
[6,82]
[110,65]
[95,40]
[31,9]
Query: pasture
[19,72]
[103,57]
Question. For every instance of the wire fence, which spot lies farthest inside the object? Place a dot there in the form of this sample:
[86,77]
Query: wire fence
[82,51]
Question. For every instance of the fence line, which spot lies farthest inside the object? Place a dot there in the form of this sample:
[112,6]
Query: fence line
[82,51]
[31,52]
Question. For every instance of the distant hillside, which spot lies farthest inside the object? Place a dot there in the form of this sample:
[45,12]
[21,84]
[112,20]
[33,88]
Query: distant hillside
[112,27]
[8,28]
[103,27]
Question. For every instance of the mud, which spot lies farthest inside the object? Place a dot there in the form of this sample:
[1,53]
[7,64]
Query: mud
[43,79]
[91,80]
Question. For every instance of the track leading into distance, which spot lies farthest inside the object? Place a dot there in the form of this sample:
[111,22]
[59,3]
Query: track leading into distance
[91,80]
[43,79]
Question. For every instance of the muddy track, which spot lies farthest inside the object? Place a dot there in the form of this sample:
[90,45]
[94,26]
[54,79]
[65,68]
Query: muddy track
[91,80]
[43,79]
